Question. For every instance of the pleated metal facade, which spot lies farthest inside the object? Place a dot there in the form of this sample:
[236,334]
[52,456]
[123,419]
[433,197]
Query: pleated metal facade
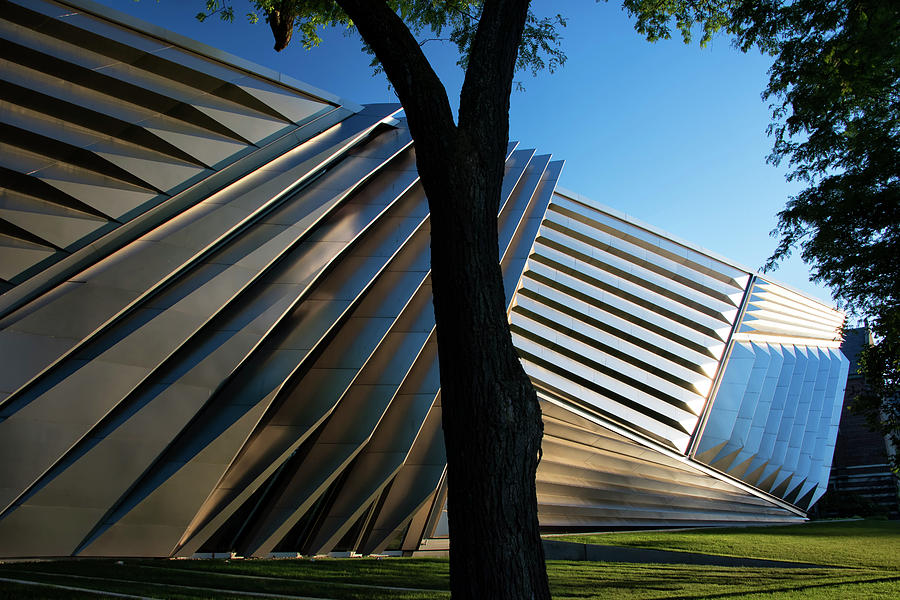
[625,325]
[217,335]
[775,417]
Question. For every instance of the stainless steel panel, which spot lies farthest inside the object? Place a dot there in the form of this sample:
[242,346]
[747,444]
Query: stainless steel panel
[254,349]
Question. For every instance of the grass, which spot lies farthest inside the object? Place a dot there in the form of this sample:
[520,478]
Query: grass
[865,554]
[581,580]
[338,579]
[862,543]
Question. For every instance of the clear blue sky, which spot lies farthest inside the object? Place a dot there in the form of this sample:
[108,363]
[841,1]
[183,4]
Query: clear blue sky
[671,134]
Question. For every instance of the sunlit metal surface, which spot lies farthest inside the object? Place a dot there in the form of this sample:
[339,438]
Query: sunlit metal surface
[102,123]
[217,333]
[624,319]
[774,419]
[730,374]
[678,388]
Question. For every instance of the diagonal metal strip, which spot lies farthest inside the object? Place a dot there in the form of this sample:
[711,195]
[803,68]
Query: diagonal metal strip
[421,479]
[234,173]
[514,176]
[316,163]
[236,378]
[259,275]
[300,366]
[350,426]
[528,198]
[383,455]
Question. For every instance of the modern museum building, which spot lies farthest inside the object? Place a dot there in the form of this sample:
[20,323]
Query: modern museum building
[216,327]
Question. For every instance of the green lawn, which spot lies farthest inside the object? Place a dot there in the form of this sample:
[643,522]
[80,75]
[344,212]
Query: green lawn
[865,555]
[324,578]
[863,543]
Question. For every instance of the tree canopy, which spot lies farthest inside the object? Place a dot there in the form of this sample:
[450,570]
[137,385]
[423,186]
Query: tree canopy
[453,21]
[835,88]
[836,96]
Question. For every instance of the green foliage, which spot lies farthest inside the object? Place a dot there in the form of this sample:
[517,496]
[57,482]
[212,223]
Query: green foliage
[880,365]
[453,21]
[844,504]
[225,11]
[835,92]
[306,16]
[655,18]
[837,123]
[540,48]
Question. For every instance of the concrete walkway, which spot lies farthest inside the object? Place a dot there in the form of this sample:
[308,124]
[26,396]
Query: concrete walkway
[561,550]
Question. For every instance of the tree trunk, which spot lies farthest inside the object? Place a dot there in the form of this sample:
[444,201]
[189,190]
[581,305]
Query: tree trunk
[492,419]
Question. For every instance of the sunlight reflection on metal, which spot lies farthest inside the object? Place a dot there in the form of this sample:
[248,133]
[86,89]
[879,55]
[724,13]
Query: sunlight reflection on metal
[217,331]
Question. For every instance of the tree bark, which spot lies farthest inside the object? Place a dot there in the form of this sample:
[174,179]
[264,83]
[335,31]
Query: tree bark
[281,22]
[491,416]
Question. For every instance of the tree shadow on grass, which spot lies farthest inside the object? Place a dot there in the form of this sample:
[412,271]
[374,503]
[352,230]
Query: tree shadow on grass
[679,582]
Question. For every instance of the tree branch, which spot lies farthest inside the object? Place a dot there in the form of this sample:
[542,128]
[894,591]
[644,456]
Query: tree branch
[417,85]
[484,100]
[436,39]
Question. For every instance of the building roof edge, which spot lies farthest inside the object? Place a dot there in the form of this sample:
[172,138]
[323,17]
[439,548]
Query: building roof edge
[111,14]
[572,195]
